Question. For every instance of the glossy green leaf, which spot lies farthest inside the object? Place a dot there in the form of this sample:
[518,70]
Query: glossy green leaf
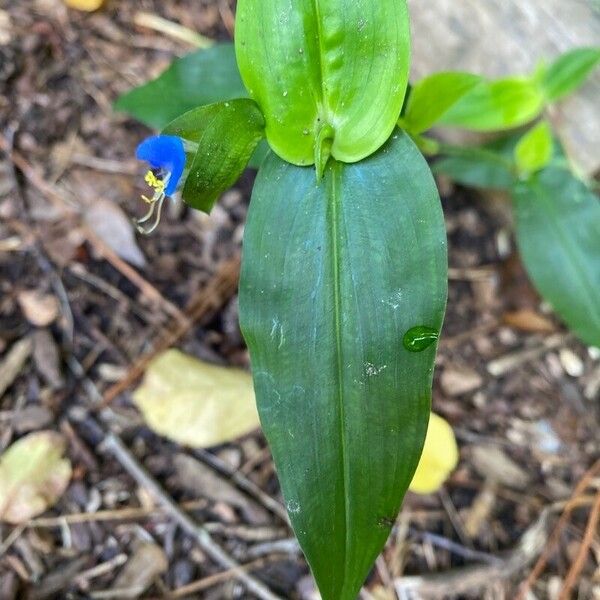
[329,74]
[334,275]
[569,72]
[227,134]
[558,232]
[497,105]
[534,150]
[202,77]
[433,96]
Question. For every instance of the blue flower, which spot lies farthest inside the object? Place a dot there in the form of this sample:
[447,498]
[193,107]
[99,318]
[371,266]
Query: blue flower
[166,157]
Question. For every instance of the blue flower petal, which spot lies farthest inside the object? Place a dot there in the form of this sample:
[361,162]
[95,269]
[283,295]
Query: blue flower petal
[164,152]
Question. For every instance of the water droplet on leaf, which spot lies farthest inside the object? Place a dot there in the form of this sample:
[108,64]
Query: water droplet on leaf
[420,338]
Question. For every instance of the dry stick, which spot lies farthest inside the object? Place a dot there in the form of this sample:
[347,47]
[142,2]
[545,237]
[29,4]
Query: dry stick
[584,548]
[554,537]
[59,202]
[220,466]
[211,580]
[114,444]
[222,286]
[121,514]
[504,364]
[171,29]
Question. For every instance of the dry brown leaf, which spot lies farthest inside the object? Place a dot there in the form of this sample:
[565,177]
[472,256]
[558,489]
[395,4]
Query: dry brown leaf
[458,380]
[148,561]
[33,476]
[528,320]
[201,480]
[196,403]
[112,226]
[39,309]
[13,362]
[494,465]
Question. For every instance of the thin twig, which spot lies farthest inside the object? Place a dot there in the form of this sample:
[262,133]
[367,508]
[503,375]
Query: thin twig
[81,579]
[172,30]
[219,289]
[579,562]
[454,517]
[11,538]
[243,483]
[212,580]
[504,364]
[555,536]
[456,548]
[114,445]
[121,514]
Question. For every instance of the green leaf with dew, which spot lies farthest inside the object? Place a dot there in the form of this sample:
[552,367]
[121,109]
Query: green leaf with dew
[330,76]
[334,275]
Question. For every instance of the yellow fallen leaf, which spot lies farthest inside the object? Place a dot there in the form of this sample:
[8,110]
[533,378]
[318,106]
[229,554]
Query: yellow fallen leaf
[439,458]
[196,403]
[201,405]
[85,5]
[33,476]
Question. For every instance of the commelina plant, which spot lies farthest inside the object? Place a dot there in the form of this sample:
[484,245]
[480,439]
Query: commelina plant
[344,273]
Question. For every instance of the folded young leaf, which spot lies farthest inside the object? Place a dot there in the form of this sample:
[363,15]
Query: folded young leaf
[433,96]
[569,72]
[342,296]
[202,77]
[331,78]
[227,133]
[558,232]
[497,105]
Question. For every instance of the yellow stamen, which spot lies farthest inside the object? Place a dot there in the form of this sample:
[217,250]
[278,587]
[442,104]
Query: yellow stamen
[154,182]
[156,202]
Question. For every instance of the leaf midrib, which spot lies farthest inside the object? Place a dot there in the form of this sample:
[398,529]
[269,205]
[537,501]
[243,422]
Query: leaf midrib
[337,312]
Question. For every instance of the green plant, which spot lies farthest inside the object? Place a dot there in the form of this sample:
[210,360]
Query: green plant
[343,285]
[557,214]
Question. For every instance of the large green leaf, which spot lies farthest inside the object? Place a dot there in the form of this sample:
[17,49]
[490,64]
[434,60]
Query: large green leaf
[226,134]
[558,231]
[202,77]
[335,276]
[329,74]
[569,71]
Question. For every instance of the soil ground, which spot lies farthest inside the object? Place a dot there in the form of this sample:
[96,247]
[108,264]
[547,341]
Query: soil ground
[521,394]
